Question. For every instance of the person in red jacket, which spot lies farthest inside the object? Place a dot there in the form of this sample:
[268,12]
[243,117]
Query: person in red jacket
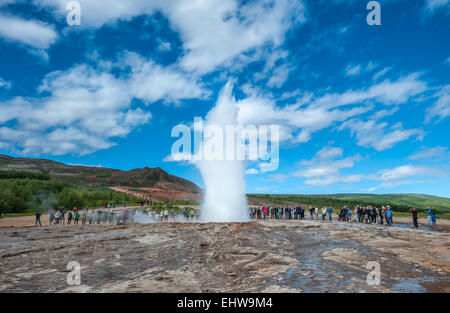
[265,212]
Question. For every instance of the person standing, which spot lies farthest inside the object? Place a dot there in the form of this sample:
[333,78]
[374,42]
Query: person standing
[52,217]
[69,217]
[330,213]
[76,217]
[429,215]
[84,217]
[324,213]
[38,218]
[63,216]
[389,216]
[57,217]
[433,217]
[414,216]
[380,214]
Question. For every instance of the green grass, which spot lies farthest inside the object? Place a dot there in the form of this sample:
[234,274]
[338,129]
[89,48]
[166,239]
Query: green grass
[104,175]
[410,200]
[18,214]
[184,202]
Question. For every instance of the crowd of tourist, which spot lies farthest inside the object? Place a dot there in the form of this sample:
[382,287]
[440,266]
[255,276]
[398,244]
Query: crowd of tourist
[362,214]
[148,213]
[109,214]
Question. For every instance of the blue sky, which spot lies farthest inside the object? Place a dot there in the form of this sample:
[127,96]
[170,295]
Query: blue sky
[362,108]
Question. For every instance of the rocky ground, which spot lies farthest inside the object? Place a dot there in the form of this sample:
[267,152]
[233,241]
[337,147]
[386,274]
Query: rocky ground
[263,256]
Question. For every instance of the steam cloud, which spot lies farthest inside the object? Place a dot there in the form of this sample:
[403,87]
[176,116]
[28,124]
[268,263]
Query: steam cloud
[224,197]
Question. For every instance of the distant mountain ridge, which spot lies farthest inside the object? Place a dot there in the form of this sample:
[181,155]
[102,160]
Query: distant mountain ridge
[100,176]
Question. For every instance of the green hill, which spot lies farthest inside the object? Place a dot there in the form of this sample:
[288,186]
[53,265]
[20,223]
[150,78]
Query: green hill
[412,200]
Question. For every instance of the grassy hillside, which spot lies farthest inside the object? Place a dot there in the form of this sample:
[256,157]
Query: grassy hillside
[411,200]
[98,176]
[27,192]
[399,202]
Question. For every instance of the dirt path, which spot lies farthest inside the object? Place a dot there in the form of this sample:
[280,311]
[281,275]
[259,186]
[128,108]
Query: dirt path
[278,256]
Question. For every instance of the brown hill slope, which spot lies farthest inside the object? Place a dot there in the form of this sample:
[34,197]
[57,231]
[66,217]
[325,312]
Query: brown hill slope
[100,176]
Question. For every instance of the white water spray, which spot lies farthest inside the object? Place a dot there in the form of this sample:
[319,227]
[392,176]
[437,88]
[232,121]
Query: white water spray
[224,197]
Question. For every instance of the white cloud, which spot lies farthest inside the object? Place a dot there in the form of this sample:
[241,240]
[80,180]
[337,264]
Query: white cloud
[279,76]
[213,32]
[320,172]
[381,73]
[429,153]
[251,171]
[33,34]
[324,168]
[357,69]
[379,135]
[82,109]
[441,108]
[329,180]
[404,171]
[353,70]
[299,121]
[329,153]
[433,5]
[5,84]
[179,157]
[278,177]
[150,82]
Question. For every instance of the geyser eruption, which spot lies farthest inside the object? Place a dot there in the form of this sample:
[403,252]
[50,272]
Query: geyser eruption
[224,197]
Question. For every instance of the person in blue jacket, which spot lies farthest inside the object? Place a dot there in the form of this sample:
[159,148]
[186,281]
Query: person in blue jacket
[433,217]
[388,215]
[429,212]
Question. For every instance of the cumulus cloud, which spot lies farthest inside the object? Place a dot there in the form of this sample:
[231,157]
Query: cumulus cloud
[380,135]
[81,110]
[35,35]
[322,171]
[300,120]
[324,168]
[151,82]
[213,32]
[406,171]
